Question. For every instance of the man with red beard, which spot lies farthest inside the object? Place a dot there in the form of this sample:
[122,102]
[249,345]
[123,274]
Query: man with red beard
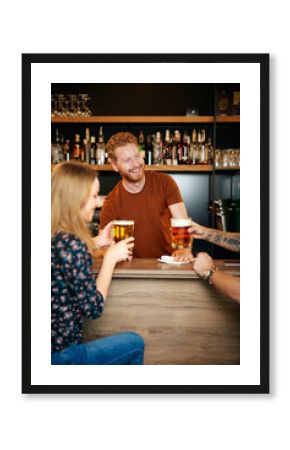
[149,198]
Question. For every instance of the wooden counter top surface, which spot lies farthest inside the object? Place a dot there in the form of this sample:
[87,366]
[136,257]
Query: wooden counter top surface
[152,268]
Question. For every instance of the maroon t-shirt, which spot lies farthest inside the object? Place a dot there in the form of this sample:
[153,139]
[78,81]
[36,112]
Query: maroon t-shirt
[149,209]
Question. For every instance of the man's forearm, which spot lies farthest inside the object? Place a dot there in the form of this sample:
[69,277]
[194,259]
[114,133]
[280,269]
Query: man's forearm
[227,284]
[230,241]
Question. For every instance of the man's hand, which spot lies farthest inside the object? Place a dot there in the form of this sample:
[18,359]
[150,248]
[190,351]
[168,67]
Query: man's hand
[183,255]
[202,263]
[197,231]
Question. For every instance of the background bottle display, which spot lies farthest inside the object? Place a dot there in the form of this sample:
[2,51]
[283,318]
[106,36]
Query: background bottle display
[159,148]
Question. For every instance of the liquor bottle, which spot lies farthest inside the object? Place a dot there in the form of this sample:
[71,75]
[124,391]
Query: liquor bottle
[148,150]
[61,145]
[179,148]
[167,148]
[200,147]
[189,158]
[185,148]
[83,150]
[55,149]
[87,146]
[209,151]
[175,148]
[101,149]
[66,150]
[193,147]
[77,147]
[203,156]
[141,143]
[93,150]
[157,149]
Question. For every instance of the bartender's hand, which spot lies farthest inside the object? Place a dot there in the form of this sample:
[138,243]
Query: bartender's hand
[183,255]
[197,231]
[105,236]
[122,251]
[202,263]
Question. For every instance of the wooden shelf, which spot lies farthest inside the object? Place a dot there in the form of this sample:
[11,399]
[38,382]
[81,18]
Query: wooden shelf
[160,168]
[147,119]
[134,119]
[227,119]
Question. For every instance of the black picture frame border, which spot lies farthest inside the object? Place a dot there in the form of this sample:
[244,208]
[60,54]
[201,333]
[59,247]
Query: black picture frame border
[259,58]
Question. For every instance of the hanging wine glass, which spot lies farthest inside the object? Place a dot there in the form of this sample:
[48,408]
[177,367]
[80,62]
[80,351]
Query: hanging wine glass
[66,107]
[61,110]
[73,112]
[54,106]
[84,102]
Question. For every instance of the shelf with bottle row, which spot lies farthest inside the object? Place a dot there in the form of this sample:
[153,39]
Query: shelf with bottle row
[147,119]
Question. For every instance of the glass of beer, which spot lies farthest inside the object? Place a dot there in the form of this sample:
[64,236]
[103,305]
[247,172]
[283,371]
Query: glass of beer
[180,235]
[123,229]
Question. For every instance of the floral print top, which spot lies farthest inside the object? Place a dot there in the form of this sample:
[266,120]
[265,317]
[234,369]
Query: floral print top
[73,291]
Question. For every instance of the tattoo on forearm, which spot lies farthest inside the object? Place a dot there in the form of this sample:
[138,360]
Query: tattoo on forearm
[230,241]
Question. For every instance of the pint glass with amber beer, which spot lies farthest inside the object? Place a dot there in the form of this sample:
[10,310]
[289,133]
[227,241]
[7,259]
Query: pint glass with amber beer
[180,235]
[123,229]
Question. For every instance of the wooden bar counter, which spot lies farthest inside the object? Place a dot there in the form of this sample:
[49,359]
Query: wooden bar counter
[181,318]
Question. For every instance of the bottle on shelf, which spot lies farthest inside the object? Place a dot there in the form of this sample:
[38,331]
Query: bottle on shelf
[193,147]
[77,147]
[186,146]
[101,149]
[157,149]
[175,148]
[209,151]
[141,143]
[56,149]
[189,158]
[200,147]
[93,150]
[167,148]
[66,150]
[87,146]
[148,150]
[83,150]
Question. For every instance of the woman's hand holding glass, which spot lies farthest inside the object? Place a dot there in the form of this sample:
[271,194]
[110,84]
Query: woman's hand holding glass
[122,251]
[105,236]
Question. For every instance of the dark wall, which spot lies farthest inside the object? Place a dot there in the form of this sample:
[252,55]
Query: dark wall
[143,99]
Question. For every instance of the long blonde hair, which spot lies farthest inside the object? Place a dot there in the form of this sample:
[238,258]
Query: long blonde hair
[71,184]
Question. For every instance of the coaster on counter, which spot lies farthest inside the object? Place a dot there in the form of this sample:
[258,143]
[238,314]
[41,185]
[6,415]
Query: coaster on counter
[170,260]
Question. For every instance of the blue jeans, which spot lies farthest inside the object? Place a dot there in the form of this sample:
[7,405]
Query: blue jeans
[121,349]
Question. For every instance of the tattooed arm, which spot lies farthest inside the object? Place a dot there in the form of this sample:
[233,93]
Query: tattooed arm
[228,240]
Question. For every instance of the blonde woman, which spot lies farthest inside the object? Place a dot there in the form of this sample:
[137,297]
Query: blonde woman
[75,293]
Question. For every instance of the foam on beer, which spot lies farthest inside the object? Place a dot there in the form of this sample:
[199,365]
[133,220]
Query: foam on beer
[123,222]
[178,223]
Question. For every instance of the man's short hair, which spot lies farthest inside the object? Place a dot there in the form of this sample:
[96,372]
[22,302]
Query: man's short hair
[120,140]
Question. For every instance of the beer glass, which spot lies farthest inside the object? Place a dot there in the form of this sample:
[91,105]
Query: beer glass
[180,235]
[123,229]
